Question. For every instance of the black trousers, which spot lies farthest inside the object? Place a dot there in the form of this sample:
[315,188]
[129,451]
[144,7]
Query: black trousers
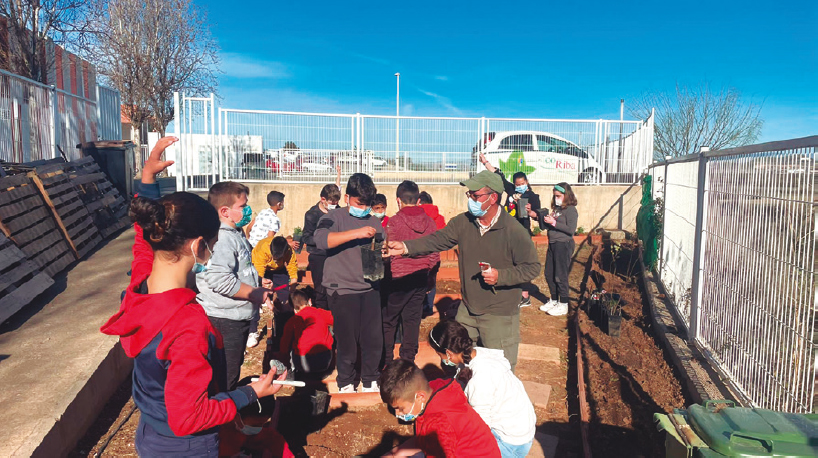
[405,304]
[357,323]
[557,266]
[234,336]
[316,267]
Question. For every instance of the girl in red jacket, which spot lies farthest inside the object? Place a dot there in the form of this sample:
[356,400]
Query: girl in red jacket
[179,372]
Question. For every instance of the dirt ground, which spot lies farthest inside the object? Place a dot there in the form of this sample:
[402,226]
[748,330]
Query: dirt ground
[629,380]
[629,377]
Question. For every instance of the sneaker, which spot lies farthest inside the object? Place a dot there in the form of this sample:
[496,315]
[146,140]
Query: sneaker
[252,339]
[559,310]
[549,305]
[347,389]
[525,302]
[373,388]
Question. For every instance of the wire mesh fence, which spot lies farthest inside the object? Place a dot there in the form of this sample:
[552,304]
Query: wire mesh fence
[753,309]
[256,145]
[37,121]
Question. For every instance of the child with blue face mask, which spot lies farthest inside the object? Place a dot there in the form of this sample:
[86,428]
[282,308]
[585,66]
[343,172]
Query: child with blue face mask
[492,389]
[253,432]
[354,301]
[229,289]
[445,424]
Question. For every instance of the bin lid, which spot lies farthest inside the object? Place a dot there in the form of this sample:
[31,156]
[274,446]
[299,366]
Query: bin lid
[106,144]
[741,431]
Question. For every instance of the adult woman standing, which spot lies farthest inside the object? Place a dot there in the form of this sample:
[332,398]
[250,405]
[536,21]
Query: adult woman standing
[561,224]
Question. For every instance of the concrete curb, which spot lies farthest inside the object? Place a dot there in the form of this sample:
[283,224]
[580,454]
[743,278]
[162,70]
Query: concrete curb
[690,365]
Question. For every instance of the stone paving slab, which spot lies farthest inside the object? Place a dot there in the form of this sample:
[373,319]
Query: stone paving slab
[544,446]
[538,393]
[57,371]
[539,353]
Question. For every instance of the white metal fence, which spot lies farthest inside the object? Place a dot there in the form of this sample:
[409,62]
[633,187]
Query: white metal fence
[37,120]
[253,145]
[738,262]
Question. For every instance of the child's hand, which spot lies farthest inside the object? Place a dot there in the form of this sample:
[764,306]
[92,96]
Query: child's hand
[550,220]
[155,164]
[264,385]
[266,283]
[366,232]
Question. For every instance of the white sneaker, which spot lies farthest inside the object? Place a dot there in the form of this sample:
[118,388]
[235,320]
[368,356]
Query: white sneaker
[347,389]
[559,310]
[548,305]
[252,339]
[374,388]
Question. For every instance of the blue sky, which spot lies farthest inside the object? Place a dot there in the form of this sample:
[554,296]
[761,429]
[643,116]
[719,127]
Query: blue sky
[516,59]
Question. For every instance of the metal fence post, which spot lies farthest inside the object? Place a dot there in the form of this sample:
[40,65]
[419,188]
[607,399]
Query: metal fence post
[55,133]
[177,129]
[696,289]
[664,213]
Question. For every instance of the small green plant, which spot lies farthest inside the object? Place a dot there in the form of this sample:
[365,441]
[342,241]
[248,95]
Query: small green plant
[580,230]
[297,231]
[537,231]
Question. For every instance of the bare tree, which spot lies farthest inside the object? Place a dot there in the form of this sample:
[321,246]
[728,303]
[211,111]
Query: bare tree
[32,23]
[694,117]
[149,49]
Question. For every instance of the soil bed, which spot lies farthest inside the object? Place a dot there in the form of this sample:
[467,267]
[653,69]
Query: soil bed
[629,377]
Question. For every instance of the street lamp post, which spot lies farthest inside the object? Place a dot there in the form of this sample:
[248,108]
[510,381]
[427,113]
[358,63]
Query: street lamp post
[397,123]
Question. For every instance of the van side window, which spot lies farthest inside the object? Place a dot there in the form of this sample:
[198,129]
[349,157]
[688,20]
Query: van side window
[520,142]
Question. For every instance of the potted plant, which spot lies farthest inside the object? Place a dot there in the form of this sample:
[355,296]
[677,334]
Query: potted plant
[297,232]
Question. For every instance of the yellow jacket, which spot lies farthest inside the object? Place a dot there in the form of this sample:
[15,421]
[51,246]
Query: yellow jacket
[263,260]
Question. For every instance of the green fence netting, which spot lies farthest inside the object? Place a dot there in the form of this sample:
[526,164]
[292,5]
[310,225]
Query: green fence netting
[648,224]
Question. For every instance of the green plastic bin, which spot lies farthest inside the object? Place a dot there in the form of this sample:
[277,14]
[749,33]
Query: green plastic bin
[719,428]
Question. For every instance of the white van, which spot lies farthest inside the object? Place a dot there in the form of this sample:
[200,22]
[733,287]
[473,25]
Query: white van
[544,157]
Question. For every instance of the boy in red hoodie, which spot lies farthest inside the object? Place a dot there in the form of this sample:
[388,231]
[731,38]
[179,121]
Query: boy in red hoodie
[426,204]
[410,276]
[306,337]
[445,423]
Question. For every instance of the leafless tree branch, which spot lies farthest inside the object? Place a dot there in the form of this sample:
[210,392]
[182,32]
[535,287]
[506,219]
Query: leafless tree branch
[696,117]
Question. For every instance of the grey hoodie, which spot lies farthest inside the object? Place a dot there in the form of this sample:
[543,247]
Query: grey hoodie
[230,265]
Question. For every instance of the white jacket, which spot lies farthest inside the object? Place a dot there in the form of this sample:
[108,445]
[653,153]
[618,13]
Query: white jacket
[499,397]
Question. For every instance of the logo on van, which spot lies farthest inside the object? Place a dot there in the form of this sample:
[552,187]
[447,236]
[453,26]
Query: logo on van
[515,163]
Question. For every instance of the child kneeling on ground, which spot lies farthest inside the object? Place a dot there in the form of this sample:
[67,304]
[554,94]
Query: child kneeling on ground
[494,392]
[445,423]
[253,431]
[307,340]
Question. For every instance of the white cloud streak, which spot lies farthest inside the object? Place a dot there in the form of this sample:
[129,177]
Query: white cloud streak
[236,65]
[443,101]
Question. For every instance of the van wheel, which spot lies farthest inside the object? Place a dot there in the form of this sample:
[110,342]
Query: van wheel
[590,176]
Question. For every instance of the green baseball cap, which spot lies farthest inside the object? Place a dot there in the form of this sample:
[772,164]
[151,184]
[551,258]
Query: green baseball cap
[484,179]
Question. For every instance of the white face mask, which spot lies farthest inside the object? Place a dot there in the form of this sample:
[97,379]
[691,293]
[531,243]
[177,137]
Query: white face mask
[558,201]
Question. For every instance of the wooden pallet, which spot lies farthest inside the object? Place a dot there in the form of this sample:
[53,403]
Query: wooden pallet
[27,220]
[20,280]
[107,207]
[68,208]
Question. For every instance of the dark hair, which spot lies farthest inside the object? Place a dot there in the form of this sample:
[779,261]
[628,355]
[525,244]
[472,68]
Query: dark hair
[519,175]
[451,335]
[331,192]
[171,221]
[408,192]
[278,247]
[568,200]
[425,198]
[299,298]
[400,380]
[265,407]
[226,193]
[274,197]
[360,185]
[379,199]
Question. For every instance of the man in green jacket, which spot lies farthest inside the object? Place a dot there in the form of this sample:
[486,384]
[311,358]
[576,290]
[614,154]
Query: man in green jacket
[486,235]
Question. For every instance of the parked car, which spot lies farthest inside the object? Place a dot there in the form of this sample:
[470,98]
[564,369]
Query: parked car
[543,156]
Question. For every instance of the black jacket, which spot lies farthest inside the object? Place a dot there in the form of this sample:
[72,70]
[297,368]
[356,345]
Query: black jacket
[511,204]
[310,222]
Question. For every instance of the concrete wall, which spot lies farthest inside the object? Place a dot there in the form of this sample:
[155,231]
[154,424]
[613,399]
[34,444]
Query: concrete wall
[599,206]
